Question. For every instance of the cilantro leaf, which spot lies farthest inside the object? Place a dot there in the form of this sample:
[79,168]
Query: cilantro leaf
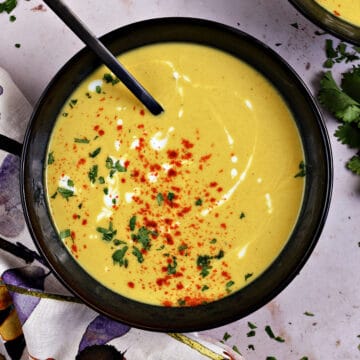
[65,193]
[354,164]
[350,83]
[348,134]
[337,101]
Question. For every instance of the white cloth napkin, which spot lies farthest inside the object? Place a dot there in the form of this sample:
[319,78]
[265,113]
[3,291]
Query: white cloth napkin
[39,319]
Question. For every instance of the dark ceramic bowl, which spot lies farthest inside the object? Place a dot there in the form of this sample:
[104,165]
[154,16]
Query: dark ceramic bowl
[327,21]
[313,211]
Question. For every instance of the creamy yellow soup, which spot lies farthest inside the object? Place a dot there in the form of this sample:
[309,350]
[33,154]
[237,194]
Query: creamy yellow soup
[348,10]
[186,207]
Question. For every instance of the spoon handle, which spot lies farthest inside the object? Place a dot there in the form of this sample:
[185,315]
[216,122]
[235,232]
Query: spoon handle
[80,29]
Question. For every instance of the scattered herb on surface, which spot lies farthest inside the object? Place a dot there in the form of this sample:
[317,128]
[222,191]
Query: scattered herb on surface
[251,333]
[344,103]
[132,223]
[8,6]
[81,141]
[304,358]
[119,256]
[160,199]
[17,45]
[308,313]
[302,170]
[251,325]
[95,153]
[271,358]
[235,348]
[64,234]
[338,54]
[107,234]
[12,18]
[198,202]
[269,331]
[93,173]
[65,193]
[295,25]
[51,158]
[248,275]
[108,78]
[251,347]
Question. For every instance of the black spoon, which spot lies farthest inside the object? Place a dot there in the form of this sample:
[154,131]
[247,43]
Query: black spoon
[78,27]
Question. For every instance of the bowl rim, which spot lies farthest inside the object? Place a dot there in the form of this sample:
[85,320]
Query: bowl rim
[151,317]
[335,25]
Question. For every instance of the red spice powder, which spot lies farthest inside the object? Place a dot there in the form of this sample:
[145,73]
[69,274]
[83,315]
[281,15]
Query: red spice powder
[131,285]
[187,144]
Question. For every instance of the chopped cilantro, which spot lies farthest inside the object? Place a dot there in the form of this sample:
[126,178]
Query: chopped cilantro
[108,78]
[269,331]
[12,18]
[70,183]
[106,191]
[226,336]
[229,284]
[204,288]
[118,256]
[98,89]
[53,196]
[170,196]
[107,234]
[81,141]
[171,268]
[338,54]
[114,166]
[251,347]
[101,180]
[8,6]
[270,358]
[308,313]
[95,153]
[160,199]
[344,103]
[302,170]
[65,114]
[251,333]
[65,193]
[251,325]
[235,348]
[204,262]
[143,237]
[198,202]
[304,358]
[242,215]
[248,275]
[132,223]
[138,254]
[17,45]
[93,173]
[51,158]
[182,302]
[64,234]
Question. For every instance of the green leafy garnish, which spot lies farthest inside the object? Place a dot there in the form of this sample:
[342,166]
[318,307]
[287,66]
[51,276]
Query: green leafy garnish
[65,193]
[198,202]
[114,166]
[338,54]
[95,153]
[344,103]
[302,170]
[118,256]
[93,173]
[81,141]
[247,276]
[107,234]
[228,285]
[170,196]
[160,199]
[251,333]
[226,336]
[98,89]
[132,223]
[204,262]
[51,158]
[242,215]
[8,6]
[108,78]
[64,234]
[138,254]
[269,331]
[308,313]
[171,268]
[251,325]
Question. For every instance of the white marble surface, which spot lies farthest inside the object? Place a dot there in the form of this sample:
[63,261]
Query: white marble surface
[328,285]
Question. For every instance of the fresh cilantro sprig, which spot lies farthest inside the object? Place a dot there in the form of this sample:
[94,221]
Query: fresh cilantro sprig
[344,103]
[8,6]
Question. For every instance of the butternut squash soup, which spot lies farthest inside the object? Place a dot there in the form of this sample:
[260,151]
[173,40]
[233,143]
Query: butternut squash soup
[186,207]
[348,10]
